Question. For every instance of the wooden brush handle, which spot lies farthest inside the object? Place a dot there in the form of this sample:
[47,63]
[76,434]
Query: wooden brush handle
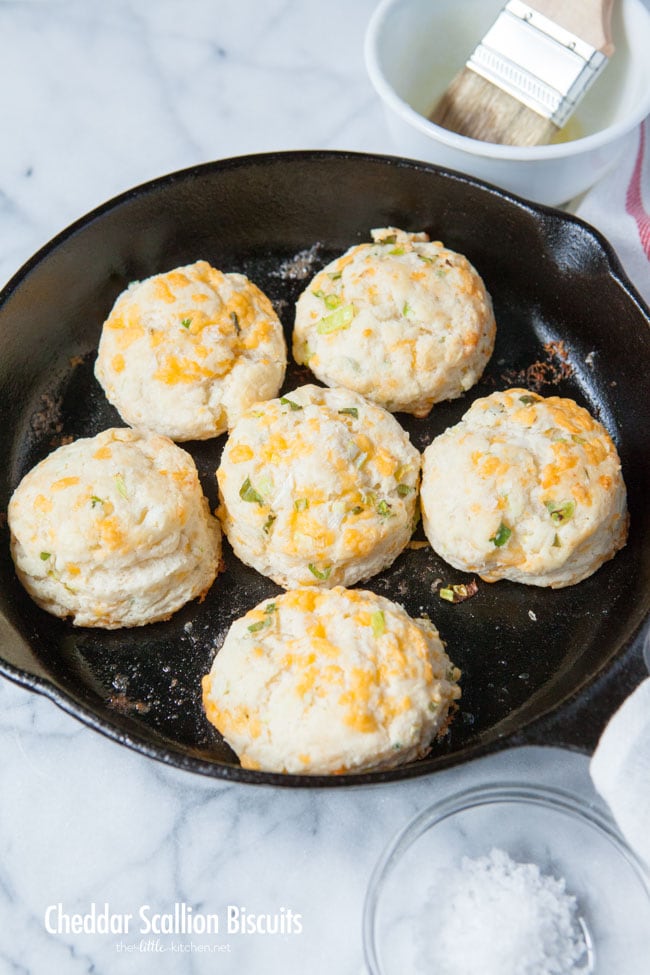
[590,20]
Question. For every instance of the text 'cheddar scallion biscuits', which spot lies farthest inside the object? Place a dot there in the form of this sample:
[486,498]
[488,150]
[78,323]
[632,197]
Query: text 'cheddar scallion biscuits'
[525,488]
[114,530]
[404,321]
[330,681]
[186,352]
[318,487]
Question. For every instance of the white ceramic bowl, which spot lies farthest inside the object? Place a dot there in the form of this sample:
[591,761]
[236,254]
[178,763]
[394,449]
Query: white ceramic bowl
[413,49]
[563,836]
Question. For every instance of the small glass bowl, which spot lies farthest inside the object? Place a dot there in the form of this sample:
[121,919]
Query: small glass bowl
[548,827]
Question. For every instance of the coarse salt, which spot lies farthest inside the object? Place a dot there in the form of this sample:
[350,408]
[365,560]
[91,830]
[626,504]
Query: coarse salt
[494,916]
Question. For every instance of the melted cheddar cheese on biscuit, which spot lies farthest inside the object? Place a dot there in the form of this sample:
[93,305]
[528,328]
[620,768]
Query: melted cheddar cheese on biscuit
[318,487]
[404,321]
[185,352]
[525,488]
[114,530]
[330,681]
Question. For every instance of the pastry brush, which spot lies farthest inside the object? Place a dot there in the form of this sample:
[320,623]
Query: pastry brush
[529,72]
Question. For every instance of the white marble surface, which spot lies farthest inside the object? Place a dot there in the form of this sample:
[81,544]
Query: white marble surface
[96,97]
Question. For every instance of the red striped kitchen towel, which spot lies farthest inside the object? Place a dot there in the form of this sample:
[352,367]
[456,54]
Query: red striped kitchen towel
[619,206]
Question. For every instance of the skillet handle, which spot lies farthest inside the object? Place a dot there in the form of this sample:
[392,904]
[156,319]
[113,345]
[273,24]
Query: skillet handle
[580,721]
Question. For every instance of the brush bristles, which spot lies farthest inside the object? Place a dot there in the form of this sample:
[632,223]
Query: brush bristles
[476,108]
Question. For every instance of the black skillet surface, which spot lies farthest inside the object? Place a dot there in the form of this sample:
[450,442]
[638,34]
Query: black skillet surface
[539,666]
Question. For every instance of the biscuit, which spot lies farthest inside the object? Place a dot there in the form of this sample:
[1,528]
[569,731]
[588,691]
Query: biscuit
[318,488]
[525,488]
[114,530]
[330,681]
[185,353]
[403,321]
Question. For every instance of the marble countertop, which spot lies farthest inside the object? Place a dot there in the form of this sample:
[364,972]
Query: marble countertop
[95,98]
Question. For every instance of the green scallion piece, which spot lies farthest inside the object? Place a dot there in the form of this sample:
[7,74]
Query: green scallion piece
[248,493]
[260,625]
[45,556]
[268,524]
[458,593]
[404,489]
[186,322]
[527,400]
[120,485]
[332,301]
[560,511]
[501,536]
[322,574]
[383,508]
[301,504]
[95,500]
[350,411]
[285,401]
[337,320]
[378,623]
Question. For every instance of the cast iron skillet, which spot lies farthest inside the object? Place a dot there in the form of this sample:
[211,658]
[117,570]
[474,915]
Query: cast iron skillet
[539,666]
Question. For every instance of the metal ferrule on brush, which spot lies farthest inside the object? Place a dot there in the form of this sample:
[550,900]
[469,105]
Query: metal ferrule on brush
[539,63]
